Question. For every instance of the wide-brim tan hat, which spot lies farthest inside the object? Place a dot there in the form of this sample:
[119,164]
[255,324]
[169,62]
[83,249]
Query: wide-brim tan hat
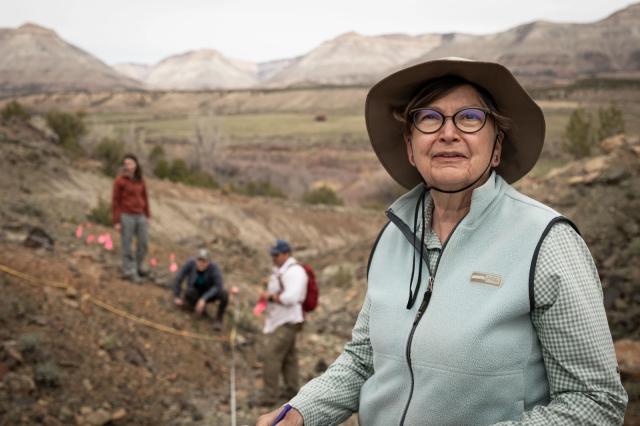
[522,144]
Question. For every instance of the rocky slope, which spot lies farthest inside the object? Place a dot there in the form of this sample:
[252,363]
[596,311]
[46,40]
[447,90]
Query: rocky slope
[353,59]
[544,51]
[135,71]
[35,59]
[601,196]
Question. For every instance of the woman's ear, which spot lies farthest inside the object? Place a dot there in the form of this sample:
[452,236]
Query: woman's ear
[407,141]
[497,151]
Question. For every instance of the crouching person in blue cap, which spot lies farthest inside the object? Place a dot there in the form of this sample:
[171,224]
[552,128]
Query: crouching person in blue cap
[204,285]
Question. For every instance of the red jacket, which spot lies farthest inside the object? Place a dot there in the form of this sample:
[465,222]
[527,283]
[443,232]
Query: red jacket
[129,196]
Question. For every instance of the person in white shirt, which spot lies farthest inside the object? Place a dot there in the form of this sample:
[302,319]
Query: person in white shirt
[285,292]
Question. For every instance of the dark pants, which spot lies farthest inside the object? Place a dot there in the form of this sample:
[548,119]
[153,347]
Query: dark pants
[280,355]
[193,295]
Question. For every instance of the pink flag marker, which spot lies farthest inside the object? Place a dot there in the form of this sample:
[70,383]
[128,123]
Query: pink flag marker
[102,238]
[172,257]
[108,245]
[153,262]
[79,231]
[90,239]
[260,307]
[235,290]
[173,267]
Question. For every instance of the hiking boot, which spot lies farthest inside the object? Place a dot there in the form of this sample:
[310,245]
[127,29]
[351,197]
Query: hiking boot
[134,278]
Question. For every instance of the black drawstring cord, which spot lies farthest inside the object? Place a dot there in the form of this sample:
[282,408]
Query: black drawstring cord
[413,261]
[413,295]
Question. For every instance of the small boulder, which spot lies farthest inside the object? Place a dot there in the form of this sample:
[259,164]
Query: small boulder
[39,238]
[612,143]
[98,417]
[119,414]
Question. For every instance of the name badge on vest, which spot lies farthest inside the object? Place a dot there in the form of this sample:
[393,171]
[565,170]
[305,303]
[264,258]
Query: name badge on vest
[486,278]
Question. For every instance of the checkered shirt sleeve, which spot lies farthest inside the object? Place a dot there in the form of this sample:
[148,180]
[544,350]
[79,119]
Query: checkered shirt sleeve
[331,398]
[577,349]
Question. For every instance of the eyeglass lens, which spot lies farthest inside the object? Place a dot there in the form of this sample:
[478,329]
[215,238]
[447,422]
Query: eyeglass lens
[468,120]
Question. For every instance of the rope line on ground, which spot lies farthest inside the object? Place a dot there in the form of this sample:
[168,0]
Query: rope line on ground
[116,311]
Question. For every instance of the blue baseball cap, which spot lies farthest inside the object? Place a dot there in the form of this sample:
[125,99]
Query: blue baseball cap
[281,246]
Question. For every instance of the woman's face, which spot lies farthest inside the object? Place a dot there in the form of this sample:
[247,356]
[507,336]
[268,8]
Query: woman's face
[449,158]
[129,166]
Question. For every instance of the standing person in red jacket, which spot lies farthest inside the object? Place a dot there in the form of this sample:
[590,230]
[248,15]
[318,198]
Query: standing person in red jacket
[130,209]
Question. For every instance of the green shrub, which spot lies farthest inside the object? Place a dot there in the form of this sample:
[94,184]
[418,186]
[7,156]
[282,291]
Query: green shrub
[14,110]
[578,134]
[178,171]
[29,342]
[48,374]
[28,210]
[101,213]
[69,128]
[156,154]
[110,343]
[110,153]
[322,195]
[610,122]
[162,169]
[202,179]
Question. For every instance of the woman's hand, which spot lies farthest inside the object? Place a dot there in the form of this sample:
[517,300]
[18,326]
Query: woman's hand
[293,418]
[117,226]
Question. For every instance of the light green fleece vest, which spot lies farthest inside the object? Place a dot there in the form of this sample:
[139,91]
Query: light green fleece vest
[475,355]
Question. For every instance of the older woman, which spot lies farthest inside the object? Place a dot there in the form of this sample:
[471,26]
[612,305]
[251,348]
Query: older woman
[483,305]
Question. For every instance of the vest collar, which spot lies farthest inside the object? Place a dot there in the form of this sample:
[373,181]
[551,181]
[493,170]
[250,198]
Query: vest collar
[481,199]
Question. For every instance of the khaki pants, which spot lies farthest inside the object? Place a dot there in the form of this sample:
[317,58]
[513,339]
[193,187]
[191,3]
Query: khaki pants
[280,355]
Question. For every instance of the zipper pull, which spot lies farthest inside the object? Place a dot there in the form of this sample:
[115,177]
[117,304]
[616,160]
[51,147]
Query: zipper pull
[423,305]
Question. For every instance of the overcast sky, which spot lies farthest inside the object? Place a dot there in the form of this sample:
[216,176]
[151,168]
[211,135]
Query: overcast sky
[147,31]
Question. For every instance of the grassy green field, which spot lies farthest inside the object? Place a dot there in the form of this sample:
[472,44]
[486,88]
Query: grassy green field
[243,128]
[339,127]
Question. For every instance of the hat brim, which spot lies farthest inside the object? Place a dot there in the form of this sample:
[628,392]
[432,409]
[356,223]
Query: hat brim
[523,142]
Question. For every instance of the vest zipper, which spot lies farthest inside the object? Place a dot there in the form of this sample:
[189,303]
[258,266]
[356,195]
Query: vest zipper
[404,228]
[423,307]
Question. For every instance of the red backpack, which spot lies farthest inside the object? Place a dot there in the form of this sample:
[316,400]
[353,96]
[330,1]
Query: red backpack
[311,301]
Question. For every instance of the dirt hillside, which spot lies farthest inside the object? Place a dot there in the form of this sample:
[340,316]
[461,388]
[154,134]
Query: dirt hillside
[64,359]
